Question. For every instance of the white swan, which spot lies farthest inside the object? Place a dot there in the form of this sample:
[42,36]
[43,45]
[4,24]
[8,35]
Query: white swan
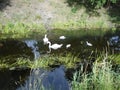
[68,45]
[45,39]
[89,44]
[54,46]
[62,37]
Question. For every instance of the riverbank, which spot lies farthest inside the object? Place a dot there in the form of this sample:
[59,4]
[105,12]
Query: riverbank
[57,14]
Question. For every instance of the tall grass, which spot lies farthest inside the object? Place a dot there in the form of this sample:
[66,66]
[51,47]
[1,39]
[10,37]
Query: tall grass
[102,77]
[20,30]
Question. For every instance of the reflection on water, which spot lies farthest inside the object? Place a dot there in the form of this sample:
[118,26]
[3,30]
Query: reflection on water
[115,43]
[56,79]
[12,49]
[49,80]
[33,45]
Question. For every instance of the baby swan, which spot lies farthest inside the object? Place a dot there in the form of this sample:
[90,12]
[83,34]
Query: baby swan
[62,37]
[68,45]
[89,44]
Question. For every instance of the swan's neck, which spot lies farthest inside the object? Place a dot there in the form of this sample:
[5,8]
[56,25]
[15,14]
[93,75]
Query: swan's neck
[49,43]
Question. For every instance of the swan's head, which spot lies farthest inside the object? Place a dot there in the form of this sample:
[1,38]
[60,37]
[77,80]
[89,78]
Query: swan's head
[45,35]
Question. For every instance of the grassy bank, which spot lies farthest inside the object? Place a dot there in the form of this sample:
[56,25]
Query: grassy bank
[21,30]
[26,30]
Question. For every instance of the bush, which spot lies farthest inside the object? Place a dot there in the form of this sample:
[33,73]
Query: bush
[93,3]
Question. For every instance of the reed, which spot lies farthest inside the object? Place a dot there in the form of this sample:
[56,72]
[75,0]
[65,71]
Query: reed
[102,77]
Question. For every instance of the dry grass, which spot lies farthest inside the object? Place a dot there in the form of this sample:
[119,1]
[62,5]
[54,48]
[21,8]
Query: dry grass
[52,12]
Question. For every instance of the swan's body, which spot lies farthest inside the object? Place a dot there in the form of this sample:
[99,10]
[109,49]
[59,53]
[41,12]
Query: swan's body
[89,44]
[68,45]
[62,37]
[45,39]
[54,46]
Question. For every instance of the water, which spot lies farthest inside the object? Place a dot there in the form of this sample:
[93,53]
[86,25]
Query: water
[49,79]
[57,77]
[33,45]
[11,79]
[115,43]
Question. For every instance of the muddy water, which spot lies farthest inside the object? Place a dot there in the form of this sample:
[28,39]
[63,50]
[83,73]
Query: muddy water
[11,49]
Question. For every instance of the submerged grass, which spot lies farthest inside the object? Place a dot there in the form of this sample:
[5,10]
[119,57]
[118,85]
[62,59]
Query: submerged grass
[69,61]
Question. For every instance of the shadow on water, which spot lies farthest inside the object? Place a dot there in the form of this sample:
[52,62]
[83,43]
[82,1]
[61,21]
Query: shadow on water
[11,79]
[10,49]
[4,4]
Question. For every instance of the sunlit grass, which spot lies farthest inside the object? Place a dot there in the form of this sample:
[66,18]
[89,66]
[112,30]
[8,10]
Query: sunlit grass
[21,30]
[29,30]
[81,24]
[102,77]
[69,61]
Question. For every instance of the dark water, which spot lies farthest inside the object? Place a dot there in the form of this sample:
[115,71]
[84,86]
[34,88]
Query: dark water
[49,79]
[24,79]
[11,79]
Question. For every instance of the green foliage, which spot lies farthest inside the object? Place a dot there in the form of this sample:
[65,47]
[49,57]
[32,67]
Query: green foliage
[92,3]
[101,3]
[20,30]
[101,78]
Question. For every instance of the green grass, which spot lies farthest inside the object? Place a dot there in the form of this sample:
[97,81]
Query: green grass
[80,24]
[47,61]
[25,30]
[20,30]
[102,77]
